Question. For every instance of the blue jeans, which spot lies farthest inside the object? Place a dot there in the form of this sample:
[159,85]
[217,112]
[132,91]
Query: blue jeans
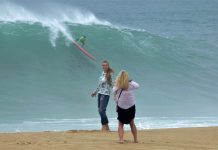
[102,105]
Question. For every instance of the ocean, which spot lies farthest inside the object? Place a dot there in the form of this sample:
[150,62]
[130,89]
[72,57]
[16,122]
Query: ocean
[168,46]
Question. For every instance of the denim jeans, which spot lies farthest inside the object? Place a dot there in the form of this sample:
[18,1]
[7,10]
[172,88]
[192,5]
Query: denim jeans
[102,105]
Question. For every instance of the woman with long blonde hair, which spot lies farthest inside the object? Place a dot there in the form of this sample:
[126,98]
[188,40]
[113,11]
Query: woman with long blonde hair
[103,90]
[124,97]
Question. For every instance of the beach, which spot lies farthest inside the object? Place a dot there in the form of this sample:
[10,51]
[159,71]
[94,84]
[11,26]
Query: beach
[158,139]
[48,77]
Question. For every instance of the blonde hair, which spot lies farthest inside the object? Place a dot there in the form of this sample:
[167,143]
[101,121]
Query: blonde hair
[122,80]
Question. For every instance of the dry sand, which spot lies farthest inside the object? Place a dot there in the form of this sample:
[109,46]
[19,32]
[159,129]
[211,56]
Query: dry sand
[164,139]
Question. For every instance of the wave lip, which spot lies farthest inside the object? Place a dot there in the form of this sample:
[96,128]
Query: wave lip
[11,12]
[55,18]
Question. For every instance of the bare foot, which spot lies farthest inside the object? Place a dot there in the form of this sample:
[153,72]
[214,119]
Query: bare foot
[120,142]
[136,141]
[105,128]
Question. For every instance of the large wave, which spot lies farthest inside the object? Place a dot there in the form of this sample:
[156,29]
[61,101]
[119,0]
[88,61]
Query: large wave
[43,75]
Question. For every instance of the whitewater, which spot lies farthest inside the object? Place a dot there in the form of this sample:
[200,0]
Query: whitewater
[46,82]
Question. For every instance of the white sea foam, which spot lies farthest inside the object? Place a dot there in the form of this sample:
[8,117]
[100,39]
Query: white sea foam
[94,124]
[55,18]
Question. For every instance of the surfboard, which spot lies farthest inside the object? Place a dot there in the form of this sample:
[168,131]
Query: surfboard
[84,51]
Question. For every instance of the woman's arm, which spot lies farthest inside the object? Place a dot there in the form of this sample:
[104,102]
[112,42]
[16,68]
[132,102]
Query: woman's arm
[133,85]
[115,92]
[95,92]
[97,89]
[114,89]
[101,80]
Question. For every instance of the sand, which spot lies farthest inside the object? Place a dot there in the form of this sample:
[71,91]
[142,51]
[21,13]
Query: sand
[163,139]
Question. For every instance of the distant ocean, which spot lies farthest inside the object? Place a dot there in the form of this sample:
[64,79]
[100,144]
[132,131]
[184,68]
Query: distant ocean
[168,46]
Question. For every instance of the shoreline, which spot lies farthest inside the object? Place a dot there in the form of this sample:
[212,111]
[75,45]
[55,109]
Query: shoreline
[142,123]
[200,138]
[98,130]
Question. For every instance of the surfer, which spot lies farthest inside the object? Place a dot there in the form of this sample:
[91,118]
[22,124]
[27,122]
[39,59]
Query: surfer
[81,40]
[103,90]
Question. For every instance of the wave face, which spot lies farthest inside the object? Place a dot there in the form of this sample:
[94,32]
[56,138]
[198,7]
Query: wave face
[42,75]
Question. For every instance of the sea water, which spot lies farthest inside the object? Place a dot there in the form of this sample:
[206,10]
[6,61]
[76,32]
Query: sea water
[168,46]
